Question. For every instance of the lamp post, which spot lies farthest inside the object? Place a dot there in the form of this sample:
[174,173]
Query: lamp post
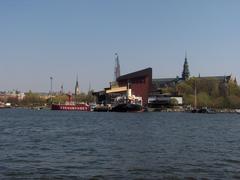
[51,81]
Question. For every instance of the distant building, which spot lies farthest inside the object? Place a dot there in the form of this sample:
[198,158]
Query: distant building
[140,83]
[12,94]
[159,83]
[165,82]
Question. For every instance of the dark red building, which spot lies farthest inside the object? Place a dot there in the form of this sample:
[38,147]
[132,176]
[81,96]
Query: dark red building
[140,82]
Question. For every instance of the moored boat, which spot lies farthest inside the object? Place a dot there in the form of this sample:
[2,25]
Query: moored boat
[128,108]
[71,106]
[127,103]
[204,110]
[237,111]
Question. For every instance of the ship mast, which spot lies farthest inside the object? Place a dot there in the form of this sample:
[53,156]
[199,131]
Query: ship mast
[195,94]
[51,89]
[117,67]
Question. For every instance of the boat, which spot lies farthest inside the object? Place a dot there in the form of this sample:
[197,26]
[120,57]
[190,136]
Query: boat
[70,106]
[204,110]
[127,103]
[102,108]
[195,110]
[237,111]
[5,105]
[66,107]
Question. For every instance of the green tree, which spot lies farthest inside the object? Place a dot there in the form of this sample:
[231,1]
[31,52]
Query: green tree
[233,89]
[184,88]
[33,99]
[233,101]
[203,100]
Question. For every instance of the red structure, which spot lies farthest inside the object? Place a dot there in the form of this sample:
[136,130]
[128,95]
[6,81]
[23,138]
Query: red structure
[77,107]
[140,82]
[70,106]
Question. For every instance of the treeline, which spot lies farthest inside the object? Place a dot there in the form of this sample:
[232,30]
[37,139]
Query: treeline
[30,100]
[34,99]
[210,92]
[81,98]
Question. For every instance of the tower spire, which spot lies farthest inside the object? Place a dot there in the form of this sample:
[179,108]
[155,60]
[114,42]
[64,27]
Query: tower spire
[61,91]
[185,73]
[77,89]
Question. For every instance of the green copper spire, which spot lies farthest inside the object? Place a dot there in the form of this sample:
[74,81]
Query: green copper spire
[185,73]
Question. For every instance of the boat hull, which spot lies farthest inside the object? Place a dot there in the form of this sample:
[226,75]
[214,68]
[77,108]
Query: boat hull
[203,110]
[127,108]
[79,107]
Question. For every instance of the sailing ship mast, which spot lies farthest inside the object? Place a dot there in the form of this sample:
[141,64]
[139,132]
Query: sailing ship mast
[195,94]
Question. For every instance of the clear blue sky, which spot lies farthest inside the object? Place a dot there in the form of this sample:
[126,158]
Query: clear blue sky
[62,38]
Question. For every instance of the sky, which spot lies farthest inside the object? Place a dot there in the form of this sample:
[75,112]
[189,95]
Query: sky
[64,38]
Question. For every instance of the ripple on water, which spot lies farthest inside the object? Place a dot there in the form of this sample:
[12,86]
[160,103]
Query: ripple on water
[73,145]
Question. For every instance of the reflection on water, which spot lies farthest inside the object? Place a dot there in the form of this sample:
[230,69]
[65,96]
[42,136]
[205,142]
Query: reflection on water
[73,145]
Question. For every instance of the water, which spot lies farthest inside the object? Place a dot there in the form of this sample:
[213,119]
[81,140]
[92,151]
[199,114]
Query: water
[82,145]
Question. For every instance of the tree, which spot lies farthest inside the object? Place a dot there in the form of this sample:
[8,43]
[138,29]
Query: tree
[173,102]
[203,100]
[184,88]
[233,101]
[33,99]
[233,89]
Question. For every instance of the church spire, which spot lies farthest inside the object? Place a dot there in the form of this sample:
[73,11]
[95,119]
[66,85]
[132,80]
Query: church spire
[77,89]
[185,73]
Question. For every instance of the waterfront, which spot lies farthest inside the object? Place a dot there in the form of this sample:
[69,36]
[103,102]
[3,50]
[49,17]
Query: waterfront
[74,145]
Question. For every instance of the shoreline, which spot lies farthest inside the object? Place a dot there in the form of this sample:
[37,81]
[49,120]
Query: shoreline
[172,110]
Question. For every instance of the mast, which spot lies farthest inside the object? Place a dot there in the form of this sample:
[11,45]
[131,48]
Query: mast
[195,95]
[127,92]
[51,89]
[117,67]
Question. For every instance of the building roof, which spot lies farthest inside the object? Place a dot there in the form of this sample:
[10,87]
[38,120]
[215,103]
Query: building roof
[141,73]
[176,79]
[164,81]
[220,78]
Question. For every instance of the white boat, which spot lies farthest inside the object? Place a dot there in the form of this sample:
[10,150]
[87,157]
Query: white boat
[127,103]
[237,111]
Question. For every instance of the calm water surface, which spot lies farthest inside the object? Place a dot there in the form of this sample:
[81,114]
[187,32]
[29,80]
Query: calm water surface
[80,145]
